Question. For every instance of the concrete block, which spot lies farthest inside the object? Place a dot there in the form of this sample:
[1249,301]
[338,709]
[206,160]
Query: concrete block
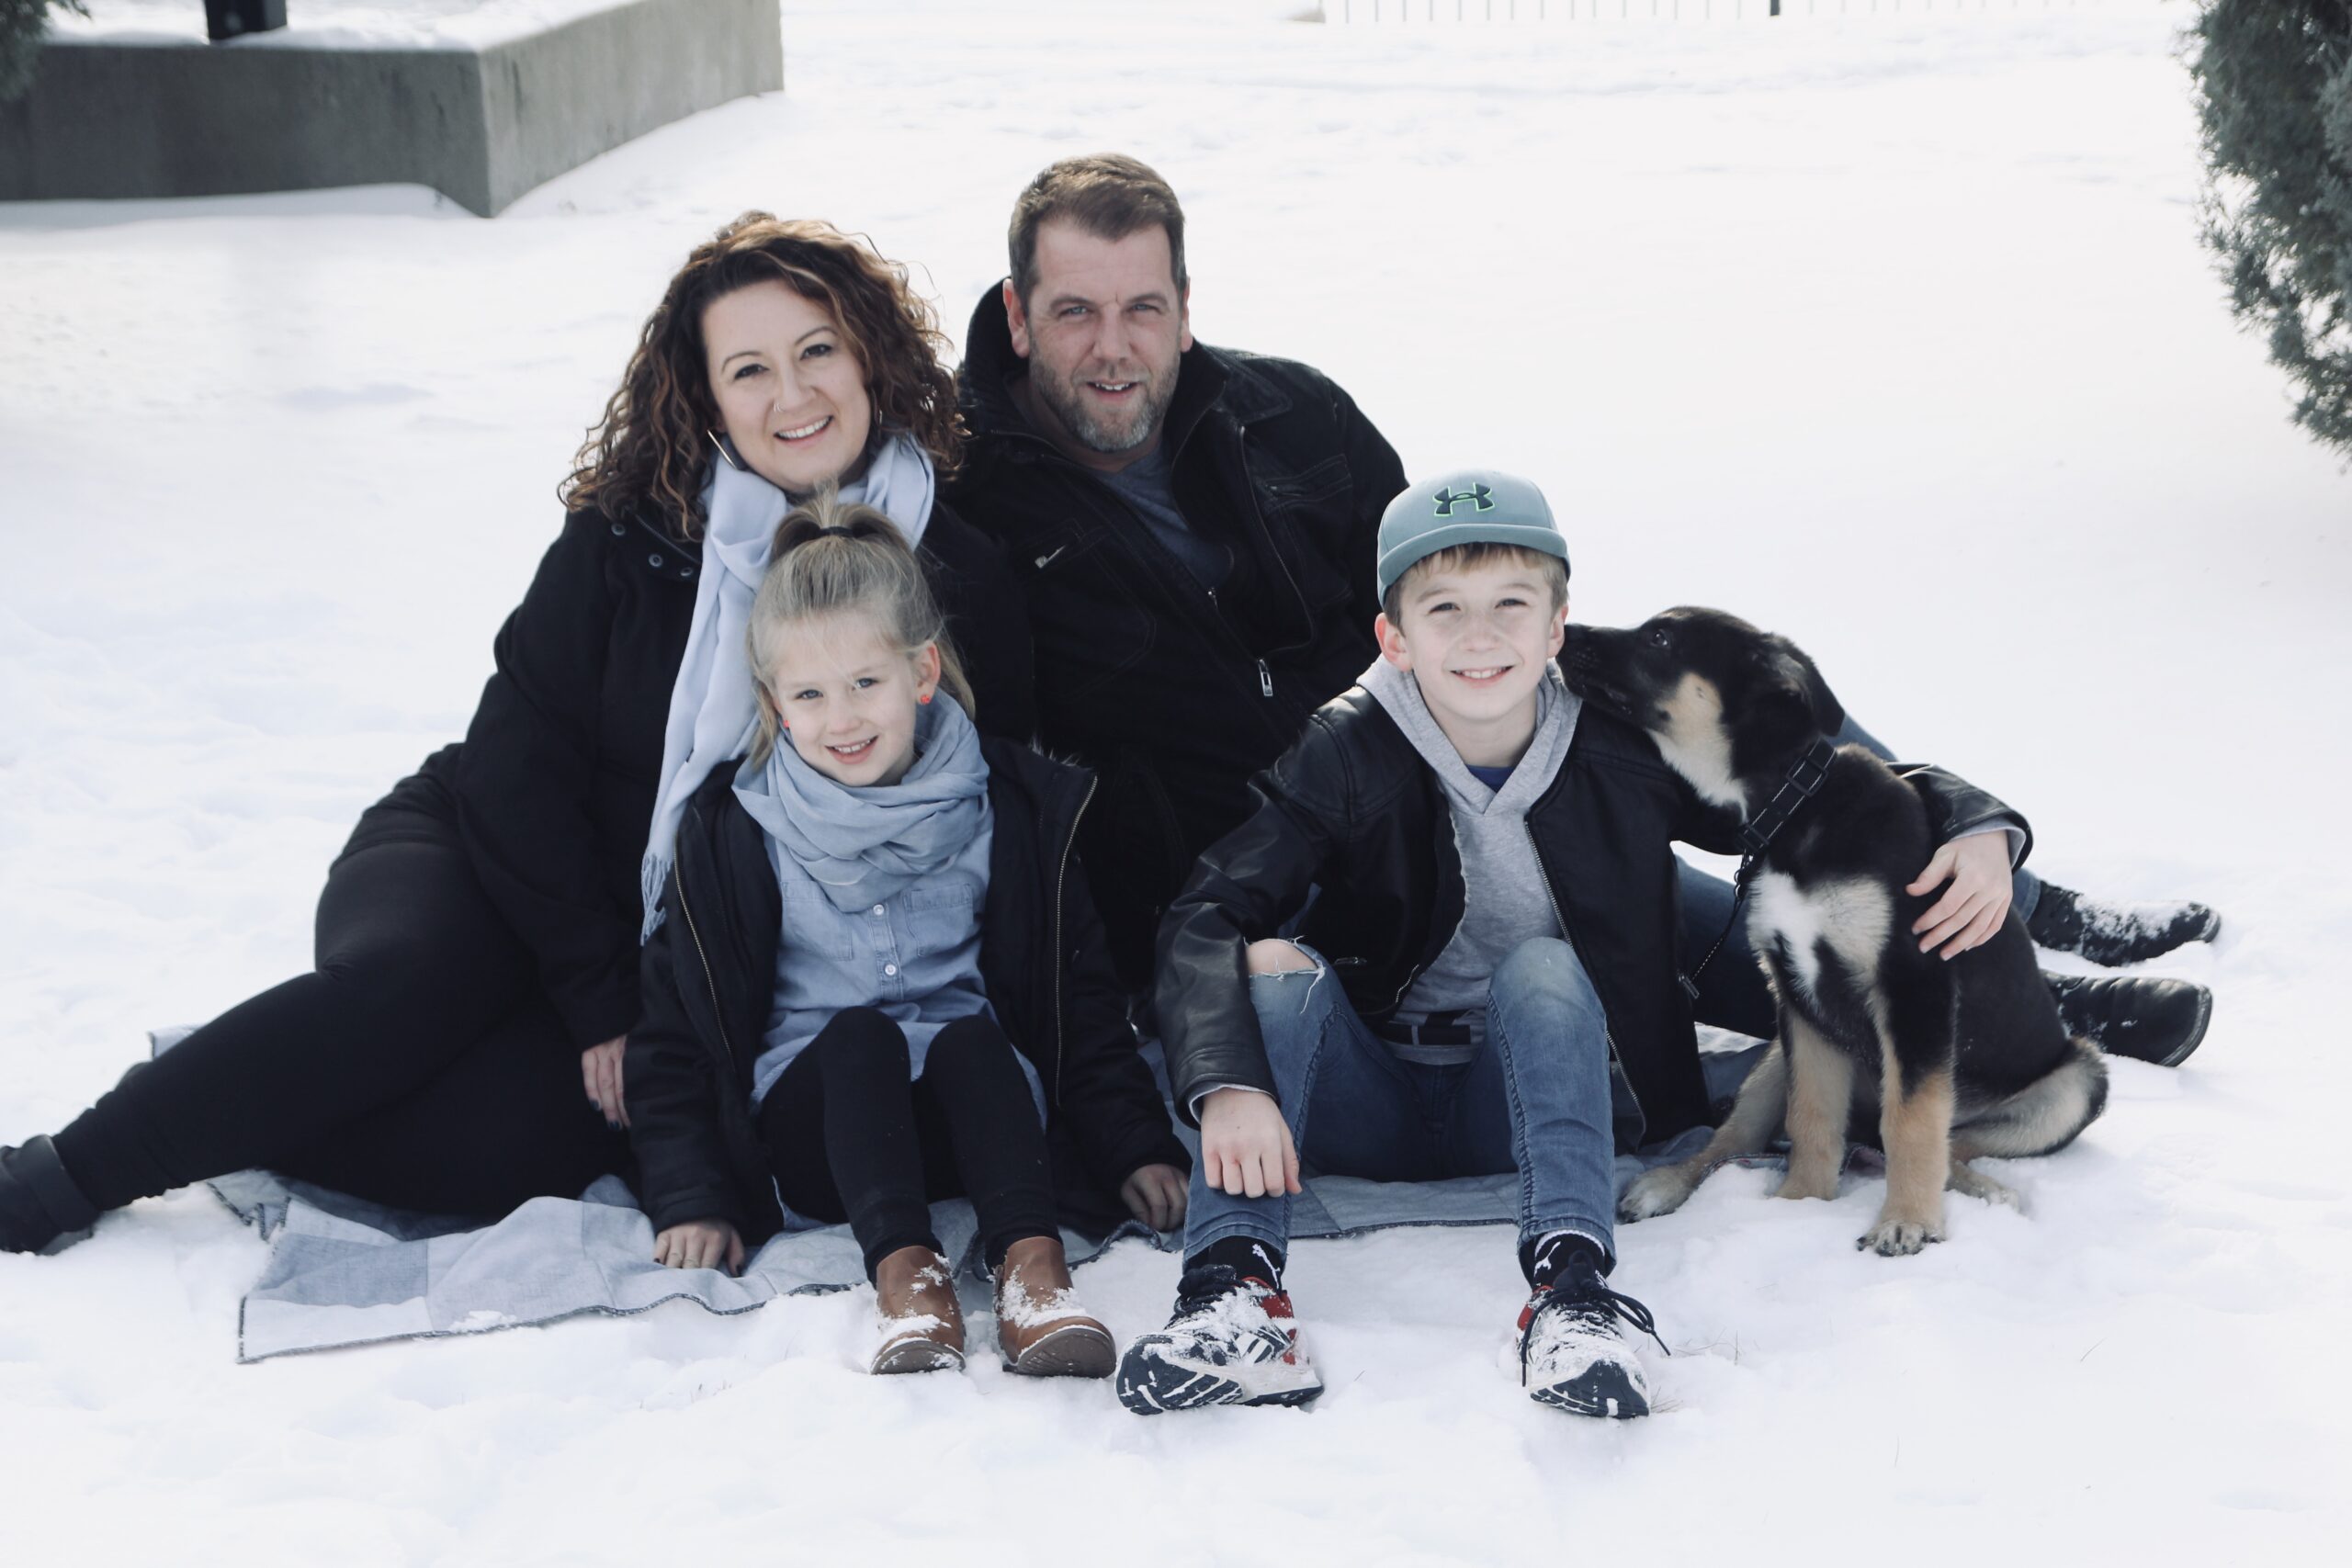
[481,123]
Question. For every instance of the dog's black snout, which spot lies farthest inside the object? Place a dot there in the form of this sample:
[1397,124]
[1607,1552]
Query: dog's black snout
[1577,653]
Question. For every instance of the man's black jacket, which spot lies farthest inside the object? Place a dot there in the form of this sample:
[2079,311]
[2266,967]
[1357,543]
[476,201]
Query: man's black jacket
[709,984]
[556,779]
[1352,809]
[1175,695]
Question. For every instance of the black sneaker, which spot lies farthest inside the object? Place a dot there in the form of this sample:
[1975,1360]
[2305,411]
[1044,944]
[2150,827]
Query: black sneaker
[2147,1017]
[1231,1341]
[1574,1355]
[39,1201]
[2116,934]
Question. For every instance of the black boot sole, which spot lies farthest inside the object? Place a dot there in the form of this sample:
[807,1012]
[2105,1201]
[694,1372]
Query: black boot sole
[1155,1388]
[916,1356]
[2196,1035]
[1077,1352]
[1604,1390]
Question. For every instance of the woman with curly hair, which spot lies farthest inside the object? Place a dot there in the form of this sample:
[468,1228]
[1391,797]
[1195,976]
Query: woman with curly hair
[458,1048]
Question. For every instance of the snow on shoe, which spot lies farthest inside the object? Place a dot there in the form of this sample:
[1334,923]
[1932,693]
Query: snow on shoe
[921,1325]
[1231,1341]
[1042,1328]
[1572,1352]
[2116,934]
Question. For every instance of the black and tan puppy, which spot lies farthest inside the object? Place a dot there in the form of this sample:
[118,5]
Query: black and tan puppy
[1956,1058]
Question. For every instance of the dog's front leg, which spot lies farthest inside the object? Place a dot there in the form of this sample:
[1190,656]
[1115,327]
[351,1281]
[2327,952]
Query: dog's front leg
[1970,1182]
[1915,1124]
[1755,1117]
[1821,1088]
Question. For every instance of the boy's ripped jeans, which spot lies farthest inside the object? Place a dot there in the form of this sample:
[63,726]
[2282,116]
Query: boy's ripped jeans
[1534,1100]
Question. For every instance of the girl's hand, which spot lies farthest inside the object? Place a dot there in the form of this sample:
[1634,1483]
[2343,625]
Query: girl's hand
[600,1073]
[1245,1145]
[1975,903]
[1155,1194]
[700,1244]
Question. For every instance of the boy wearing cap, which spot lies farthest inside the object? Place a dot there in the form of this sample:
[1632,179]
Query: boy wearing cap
[1485,979]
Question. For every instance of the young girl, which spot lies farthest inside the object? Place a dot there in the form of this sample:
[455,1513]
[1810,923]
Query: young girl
[861,924]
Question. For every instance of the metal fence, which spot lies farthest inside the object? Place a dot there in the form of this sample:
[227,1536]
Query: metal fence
[1362,13]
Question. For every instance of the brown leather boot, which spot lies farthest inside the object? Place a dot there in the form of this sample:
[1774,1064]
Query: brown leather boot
[923,1329]
[1040,1326]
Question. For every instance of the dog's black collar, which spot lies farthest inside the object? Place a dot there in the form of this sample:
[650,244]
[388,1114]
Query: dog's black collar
[1801,783]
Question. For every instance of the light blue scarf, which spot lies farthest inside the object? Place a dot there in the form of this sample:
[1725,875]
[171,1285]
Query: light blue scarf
[862,846]
[712,709]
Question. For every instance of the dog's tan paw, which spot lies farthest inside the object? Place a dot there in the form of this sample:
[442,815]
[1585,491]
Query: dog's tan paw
[1807,1184]
[1897,1238]
[1655,1193]
[1973,1183]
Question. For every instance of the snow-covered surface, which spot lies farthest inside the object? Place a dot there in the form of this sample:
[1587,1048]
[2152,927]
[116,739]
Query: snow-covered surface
[1890,333]
[335,24]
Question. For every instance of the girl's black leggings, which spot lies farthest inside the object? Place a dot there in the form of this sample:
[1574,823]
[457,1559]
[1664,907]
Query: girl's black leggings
[848,1138]
[419,1064]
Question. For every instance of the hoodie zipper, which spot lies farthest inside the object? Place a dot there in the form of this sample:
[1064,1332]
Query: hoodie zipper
[1061,879]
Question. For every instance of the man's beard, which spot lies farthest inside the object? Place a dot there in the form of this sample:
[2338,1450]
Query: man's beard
[1066,399]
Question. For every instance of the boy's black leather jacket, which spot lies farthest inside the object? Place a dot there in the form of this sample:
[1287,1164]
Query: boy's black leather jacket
[1352,810]
[709,983]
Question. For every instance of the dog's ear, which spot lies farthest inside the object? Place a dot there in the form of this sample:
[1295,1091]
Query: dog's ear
[1797,685]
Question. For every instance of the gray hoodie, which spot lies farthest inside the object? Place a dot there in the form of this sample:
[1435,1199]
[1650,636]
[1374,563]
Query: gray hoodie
[1505,900]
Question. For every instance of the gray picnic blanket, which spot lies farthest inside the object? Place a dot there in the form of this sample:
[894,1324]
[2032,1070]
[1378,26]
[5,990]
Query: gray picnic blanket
[344,1272]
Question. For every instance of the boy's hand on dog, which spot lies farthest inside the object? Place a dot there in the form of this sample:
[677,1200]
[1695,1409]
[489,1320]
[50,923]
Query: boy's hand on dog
[700,1244]
[1975,903]
[1245,1145]
[1155,1194]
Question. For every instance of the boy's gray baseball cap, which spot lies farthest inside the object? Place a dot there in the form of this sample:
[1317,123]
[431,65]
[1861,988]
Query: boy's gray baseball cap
[1472,506]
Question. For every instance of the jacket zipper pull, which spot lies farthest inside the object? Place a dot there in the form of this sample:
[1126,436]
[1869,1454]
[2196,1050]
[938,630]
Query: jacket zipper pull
[1265,679]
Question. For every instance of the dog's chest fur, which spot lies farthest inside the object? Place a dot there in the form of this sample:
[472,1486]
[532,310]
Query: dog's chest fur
[1802,927]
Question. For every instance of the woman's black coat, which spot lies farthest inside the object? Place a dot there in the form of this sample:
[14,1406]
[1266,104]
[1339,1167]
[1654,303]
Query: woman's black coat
[710,985]
[556,779]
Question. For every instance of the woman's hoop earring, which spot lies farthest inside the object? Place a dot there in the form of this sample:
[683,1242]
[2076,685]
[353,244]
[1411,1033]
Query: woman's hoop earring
[723,452]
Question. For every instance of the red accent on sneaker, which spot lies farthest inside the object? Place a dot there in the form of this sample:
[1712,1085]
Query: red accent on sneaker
[1527,1312]
[1275,1304]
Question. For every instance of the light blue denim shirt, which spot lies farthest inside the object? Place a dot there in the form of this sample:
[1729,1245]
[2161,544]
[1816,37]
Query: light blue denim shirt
[915,956]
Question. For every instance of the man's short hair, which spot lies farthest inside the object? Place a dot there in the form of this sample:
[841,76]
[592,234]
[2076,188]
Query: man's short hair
[1109,195]
[1550,569]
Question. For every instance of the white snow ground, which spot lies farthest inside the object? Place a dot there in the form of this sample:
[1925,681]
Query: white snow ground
[1890,331]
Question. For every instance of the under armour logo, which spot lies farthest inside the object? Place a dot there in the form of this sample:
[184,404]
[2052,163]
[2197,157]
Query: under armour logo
[1447,500]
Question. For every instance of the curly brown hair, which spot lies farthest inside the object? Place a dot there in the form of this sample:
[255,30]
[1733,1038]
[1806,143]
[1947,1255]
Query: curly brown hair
[651,452]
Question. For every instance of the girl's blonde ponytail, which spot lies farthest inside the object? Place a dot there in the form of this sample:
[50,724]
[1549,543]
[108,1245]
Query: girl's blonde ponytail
[831,555]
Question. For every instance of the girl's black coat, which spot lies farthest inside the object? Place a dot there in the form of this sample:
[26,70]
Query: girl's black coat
[709,985]
[555,781]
